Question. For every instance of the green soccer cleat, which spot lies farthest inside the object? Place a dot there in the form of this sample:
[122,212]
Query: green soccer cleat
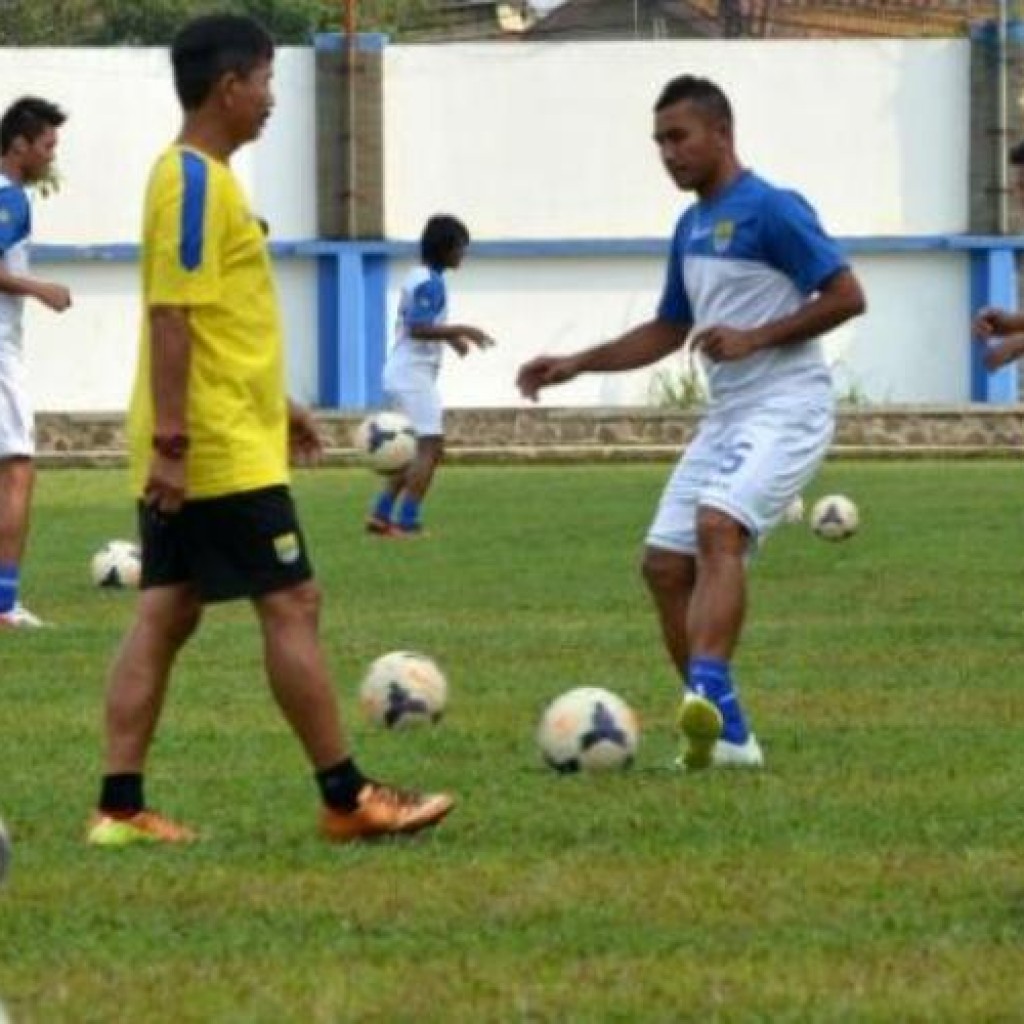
[701,725]
[144,827]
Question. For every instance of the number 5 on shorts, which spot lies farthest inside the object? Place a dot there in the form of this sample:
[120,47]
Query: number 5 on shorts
[734,457]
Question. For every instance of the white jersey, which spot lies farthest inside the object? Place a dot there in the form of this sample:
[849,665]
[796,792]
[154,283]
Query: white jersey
[423,301]
[15,231]
[751,255]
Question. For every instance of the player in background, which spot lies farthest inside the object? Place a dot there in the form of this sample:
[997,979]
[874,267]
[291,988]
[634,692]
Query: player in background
[28,145]
[210,429]
[754,280]
[1002,324]
[412,368]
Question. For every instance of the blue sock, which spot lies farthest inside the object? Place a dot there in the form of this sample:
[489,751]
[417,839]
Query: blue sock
[8,587]
[409,514]
[711,678]
[383,506]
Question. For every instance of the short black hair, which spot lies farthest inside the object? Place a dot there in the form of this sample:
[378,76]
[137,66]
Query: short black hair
[442,235]
[210,47]
[28,118]
[1017,155]
[701,92]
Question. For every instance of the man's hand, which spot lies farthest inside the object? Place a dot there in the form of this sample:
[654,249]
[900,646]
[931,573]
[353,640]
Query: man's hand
[165,484]
[542,372]
[304,440]
[1003,353]
[479,338]
[725,344]
[54,296]
[995,323]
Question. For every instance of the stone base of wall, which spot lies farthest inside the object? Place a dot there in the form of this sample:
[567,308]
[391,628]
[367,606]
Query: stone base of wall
[545,434]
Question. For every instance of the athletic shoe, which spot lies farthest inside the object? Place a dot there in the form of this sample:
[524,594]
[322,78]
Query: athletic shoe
[701,725]
[385,810]
[144,827]
[19,617]
[409,532]
[738,755]
[380,527]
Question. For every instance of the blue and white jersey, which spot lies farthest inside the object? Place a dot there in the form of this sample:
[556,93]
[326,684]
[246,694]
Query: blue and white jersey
[423,302]
[15,229]
[751,255]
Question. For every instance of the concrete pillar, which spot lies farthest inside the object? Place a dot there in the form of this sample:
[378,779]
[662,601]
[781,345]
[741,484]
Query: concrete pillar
[993,131]
[350,137]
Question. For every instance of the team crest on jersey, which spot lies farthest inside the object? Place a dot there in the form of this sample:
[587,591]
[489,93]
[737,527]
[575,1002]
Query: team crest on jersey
[287,548]
[721,237]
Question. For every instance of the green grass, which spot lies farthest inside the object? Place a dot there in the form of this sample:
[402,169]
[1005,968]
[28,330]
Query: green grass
[872,873]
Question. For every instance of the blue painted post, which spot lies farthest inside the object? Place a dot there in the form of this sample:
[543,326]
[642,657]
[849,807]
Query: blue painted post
[993,283]
[375,328]
[351,328]
[328,276]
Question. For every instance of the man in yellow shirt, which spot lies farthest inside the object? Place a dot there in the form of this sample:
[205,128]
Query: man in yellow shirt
[210,430]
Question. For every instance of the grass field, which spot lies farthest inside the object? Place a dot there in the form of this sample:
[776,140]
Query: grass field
[872,873]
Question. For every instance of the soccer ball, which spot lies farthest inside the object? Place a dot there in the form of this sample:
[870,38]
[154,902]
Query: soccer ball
[386,441]
[5,856]
[794,511]
[588,729]
[118,564]
[403,689]
[834,517]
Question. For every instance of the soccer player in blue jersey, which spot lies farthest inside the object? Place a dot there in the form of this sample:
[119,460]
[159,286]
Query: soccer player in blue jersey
[28,144]
[753,281]
[412,368]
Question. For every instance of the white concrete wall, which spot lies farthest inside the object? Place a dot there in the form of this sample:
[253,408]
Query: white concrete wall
[554,141]
[907,349]
[123,112]
[536,141]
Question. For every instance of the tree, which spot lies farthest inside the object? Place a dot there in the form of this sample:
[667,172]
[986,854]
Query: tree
[154,22]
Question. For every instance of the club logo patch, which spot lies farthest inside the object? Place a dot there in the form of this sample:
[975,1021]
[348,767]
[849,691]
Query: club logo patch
[721,237]
[287,548]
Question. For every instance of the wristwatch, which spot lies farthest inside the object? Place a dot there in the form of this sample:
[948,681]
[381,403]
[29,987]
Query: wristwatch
[171,446]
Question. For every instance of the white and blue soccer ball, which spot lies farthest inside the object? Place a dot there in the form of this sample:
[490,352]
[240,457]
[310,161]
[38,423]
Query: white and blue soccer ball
[404,689]
[588,729]
[835,517]
[386,441]
[117,565]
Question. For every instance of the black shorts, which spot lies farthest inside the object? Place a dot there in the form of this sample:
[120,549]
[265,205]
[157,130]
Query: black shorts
[240,545]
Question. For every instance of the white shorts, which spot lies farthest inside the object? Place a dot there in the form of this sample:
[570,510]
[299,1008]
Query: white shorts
[17,422]
[416,395]
[749,465]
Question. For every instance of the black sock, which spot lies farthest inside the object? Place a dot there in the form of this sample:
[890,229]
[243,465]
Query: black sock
[121,795]
[340,785]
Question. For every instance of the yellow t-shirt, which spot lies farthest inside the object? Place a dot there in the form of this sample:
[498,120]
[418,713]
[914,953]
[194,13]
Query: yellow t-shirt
[204,250]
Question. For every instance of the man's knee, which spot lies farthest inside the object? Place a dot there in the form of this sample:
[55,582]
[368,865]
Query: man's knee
[718,533]
[300,603]
[431,449]
[18,471]
[174,617]
[666,571]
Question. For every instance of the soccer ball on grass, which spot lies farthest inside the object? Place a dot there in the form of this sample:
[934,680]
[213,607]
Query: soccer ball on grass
[386,441]
[117,565]
[588,729]
[403,689]
[834,517]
